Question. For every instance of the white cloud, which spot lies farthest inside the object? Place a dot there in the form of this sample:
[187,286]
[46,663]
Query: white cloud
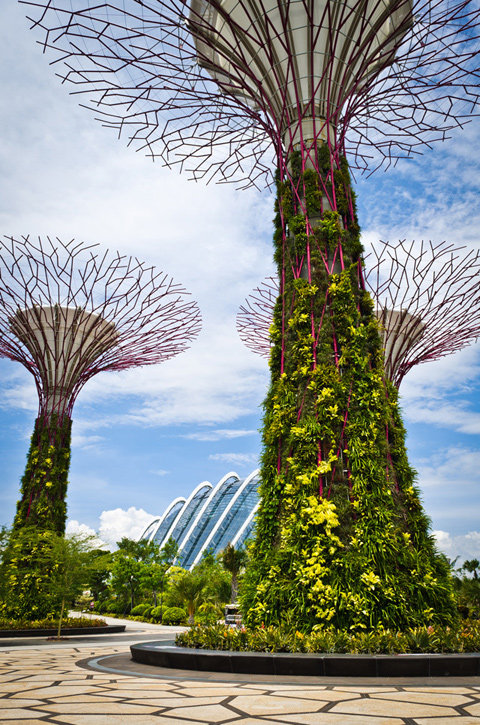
[75,528]
[160,472]
[117,523]
[456,465]
[219,434]
[465,546]
[235,458]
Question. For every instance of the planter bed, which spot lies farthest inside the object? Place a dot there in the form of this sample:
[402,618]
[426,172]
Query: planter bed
[108,629]
[284,663]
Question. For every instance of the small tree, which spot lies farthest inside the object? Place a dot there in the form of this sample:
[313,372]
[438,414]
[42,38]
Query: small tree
[73,565]
[190,590]
[233,561]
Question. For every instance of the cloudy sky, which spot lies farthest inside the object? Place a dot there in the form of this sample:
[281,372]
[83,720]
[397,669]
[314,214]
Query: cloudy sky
[145,436]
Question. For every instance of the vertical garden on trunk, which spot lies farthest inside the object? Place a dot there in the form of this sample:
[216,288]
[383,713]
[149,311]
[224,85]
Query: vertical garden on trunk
[341,540]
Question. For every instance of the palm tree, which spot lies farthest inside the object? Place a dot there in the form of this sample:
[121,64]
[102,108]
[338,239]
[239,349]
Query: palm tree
[233,561]
[190,590]
[471,565]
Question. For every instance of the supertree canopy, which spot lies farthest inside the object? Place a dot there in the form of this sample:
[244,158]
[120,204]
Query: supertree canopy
[232,90]
[427,300]
[67,312]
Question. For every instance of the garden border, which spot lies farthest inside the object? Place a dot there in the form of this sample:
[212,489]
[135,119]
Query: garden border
[284,663]
[108,629]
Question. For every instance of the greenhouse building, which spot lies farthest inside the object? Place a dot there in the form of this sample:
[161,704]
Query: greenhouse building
[209,519]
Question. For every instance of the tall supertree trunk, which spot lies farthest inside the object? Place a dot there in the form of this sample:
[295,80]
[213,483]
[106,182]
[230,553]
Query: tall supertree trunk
[44,483]
[341,537]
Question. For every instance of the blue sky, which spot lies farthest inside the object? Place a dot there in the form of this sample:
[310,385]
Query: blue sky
[142,437]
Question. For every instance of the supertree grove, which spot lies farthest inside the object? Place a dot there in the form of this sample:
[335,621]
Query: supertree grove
[233,91]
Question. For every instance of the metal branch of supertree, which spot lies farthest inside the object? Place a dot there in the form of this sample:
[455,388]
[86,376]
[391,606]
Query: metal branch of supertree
[427,299]
[69,311]
[227,89]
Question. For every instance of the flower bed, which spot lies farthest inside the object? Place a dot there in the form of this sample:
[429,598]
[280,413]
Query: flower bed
[276,639]
[67,623]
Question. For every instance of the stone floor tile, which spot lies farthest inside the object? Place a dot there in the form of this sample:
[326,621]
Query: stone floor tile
[54,691]
[461,720]
[7,702]
[473,709]
[18,714]
[329,718]
[272,705]
[366,689]
[139,694]
[325,695]
[206,714]
[454,690]
[392,708]
[430,698]
[179,702]
[102,708]
[214,691]
[112,720]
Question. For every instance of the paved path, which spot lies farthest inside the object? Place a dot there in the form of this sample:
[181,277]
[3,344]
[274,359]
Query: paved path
[54,682]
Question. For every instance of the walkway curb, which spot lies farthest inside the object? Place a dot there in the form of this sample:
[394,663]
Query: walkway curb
[284,663]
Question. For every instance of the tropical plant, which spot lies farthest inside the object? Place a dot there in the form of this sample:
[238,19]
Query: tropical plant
[234,561]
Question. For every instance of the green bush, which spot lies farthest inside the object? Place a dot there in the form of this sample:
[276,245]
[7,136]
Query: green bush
[117,607]
[174,615]
[139,610]
[157,612]
[382,641]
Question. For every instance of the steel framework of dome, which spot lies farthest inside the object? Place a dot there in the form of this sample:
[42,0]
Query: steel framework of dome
[209,520]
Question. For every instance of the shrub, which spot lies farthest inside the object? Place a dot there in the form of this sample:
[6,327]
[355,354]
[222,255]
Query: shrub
[157,612]
[174,615]
[139,610]
[382,641]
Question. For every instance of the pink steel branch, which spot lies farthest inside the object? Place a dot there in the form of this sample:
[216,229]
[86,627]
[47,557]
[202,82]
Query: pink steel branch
[146,68]
[435,290]
[69,311]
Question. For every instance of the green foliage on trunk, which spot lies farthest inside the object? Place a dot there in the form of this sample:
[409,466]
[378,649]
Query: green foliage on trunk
[341,537]
[44,483]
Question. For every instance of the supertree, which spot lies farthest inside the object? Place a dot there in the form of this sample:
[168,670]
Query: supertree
[427,300]
[231,90]
[69,311]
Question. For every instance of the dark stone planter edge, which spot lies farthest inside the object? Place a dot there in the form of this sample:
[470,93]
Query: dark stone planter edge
[108,629]
[284,663]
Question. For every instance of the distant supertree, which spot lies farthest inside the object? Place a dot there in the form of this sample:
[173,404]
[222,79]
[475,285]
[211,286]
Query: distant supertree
[427,300]
[231,90]
[67,312]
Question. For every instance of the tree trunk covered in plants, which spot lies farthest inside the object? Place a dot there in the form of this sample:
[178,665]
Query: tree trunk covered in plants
[341,537]
[41,512]
[44,483]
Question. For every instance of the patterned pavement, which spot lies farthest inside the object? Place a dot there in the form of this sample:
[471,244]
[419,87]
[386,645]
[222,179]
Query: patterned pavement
[46,684]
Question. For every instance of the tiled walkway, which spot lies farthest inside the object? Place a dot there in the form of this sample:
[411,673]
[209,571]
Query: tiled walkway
[45,684]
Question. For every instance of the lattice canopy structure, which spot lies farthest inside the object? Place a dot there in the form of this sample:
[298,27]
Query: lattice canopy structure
[67,312]
[226,88]
[427,301]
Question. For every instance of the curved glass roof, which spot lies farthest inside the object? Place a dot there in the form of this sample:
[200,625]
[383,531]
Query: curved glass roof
[167,520]
[209,519]
[232,519]
[216,505]
[189,510]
